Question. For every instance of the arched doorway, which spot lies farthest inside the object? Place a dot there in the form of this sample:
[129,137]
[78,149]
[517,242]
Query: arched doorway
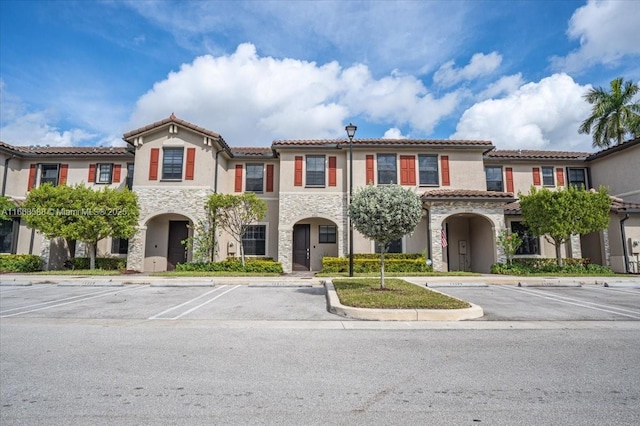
[164,247]
[470,243]
[313,239]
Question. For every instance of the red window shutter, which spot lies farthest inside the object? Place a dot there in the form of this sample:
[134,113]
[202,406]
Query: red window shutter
[153,164]
[536,176]
[407,170]
[238,186]
[369,169]
[297,178]
[117,171]
[509,172]
[269,177]
[333,181]
[191,163]
[92,173]
[62,174]
[560,176]
[32,177]
[444,165]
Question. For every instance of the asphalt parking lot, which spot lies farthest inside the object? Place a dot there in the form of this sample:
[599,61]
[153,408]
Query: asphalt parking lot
[300,302]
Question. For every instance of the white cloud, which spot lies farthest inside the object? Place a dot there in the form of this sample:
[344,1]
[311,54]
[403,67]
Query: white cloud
[480,65]
[394,133]
[543,115]
[607,32]
[504,86]
[252,100]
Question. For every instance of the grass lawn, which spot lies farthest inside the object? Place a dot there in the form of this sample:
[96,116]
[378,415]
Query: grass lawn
[213,274]
[98,272]
[399,294]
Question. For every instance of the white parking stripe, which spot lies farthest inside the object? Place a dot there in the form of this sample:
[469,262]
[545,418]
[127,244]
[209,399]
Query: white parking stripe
[587,302]
[202,304]
[615,290]
[74,301]
[24,288]
[187,302]
[54,301]
[559,299]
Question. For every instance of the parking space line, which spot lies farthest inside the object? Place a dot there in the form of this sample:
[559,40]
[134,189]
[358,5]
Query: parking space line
[589,303]
[186,303]
[614,290]
[24,288]
[568,302]
[94,296]
[202,304]
[54,301]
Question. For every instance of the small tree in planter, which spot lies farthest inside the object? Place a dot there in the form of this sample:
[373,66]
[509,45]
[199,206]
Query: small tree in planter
[509,242]
[384,214]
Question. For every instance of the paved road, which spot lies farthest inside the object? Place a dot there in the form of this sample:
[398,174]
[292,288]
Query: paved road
[240,355]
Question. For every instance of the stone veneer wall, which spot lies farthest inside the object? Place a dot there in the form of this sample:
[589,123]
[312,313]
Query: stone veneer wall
[439,211]
[295,206]
[155,201]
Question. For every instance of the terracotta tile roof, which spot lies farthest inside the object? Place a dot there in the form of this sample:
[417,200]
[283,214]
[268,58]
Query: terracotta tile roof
[466,194]
[614,149]
[343,143]
[528,154]
[512,208]
[617,206]
[260,152]
[66,150]
[173,119]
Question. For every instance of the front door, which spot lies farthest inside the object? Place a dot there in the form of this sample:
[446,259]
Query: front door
[177,253]
[301,247]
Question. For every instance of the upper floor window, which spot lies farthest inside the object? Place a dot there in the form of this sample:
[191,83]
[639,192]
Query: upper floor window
[327,233]
[49,174]
[129,182]
[172,163]
[104,173]
[387,169]
[254,240]
[547,176]
[315,170]
[494,178]
[428,169]
[255,178]
[578,178]
[529,242]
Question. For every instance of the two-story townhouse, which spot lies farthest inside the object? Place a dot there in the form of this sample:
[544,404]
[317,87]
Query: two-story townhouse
[468,190]
[24,168]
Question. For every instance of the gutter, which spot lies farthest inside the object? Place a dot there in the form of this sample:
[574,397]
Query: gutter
[6,171]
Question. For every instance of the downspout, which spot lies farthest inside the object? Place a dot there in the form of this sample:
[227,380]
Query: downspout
[428,218]
[6,171]
[215,179]
[33,231]
[624,243]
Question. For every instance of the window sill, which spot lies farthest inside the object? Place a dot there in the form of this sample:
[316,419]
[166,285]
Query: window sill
[170,180]
[315,186]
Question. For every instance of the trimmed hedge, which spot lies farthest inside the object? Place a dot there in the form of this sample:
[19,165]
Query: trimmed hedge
[232,265]
[20,263]
[371,263]
[106,263]
[525,266]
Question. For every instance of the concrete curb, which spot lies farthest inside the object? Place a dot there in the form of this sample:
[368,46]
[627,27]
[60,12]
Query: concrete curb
[550,283]
[90,284]
[621,284]
[335,307]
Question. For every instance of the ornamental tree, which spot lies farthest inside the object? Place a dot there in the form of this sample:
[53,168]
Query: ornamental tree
[80,213]
[234,214]
[559,214]
[384,214]
[510,242]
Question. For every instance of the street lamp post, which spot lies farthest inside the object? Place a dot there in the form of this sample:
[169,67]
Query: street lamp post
[351,131]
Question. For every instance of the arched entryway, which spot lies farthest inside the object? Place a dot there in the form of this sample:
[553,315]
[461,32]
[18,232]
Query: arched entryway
[470,243]
[164,247]
[313,238]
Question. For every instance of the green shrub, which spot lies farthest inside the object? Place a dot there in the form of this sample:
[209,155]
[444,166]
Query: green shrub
[106,263]
[20,263]
[572,266]
[371,263]
[232,265]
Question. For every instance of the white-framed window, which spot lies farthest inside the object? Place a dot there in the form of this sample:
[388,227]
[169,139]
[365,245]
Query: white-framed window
[327,234]
[104,173]
[578,178]
[547,176]
[315,170]
[494,178]
[172,163]
[49,174]
[428,169]
[393,247]
[119,246]
[530,243]
[387,169]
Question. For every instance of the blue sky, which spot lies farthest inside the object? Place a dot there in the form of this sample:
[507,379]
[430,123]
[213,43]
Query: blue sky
[513,72]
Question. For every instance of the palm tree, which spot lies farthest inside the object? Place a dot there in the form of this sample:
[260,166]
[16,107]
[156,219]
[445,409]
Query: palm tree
[614,113]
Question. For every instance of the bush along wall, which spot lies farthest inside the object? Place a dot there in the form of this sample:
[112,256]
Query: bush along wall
[573,266]
[20,263]
[370,263]
[106,263]
[232,265]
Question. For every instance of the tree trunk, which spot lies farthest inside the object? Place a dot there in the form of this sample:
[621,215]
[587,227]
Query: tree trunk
[382,269]
[241,248]
[92,255]
[558,245]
